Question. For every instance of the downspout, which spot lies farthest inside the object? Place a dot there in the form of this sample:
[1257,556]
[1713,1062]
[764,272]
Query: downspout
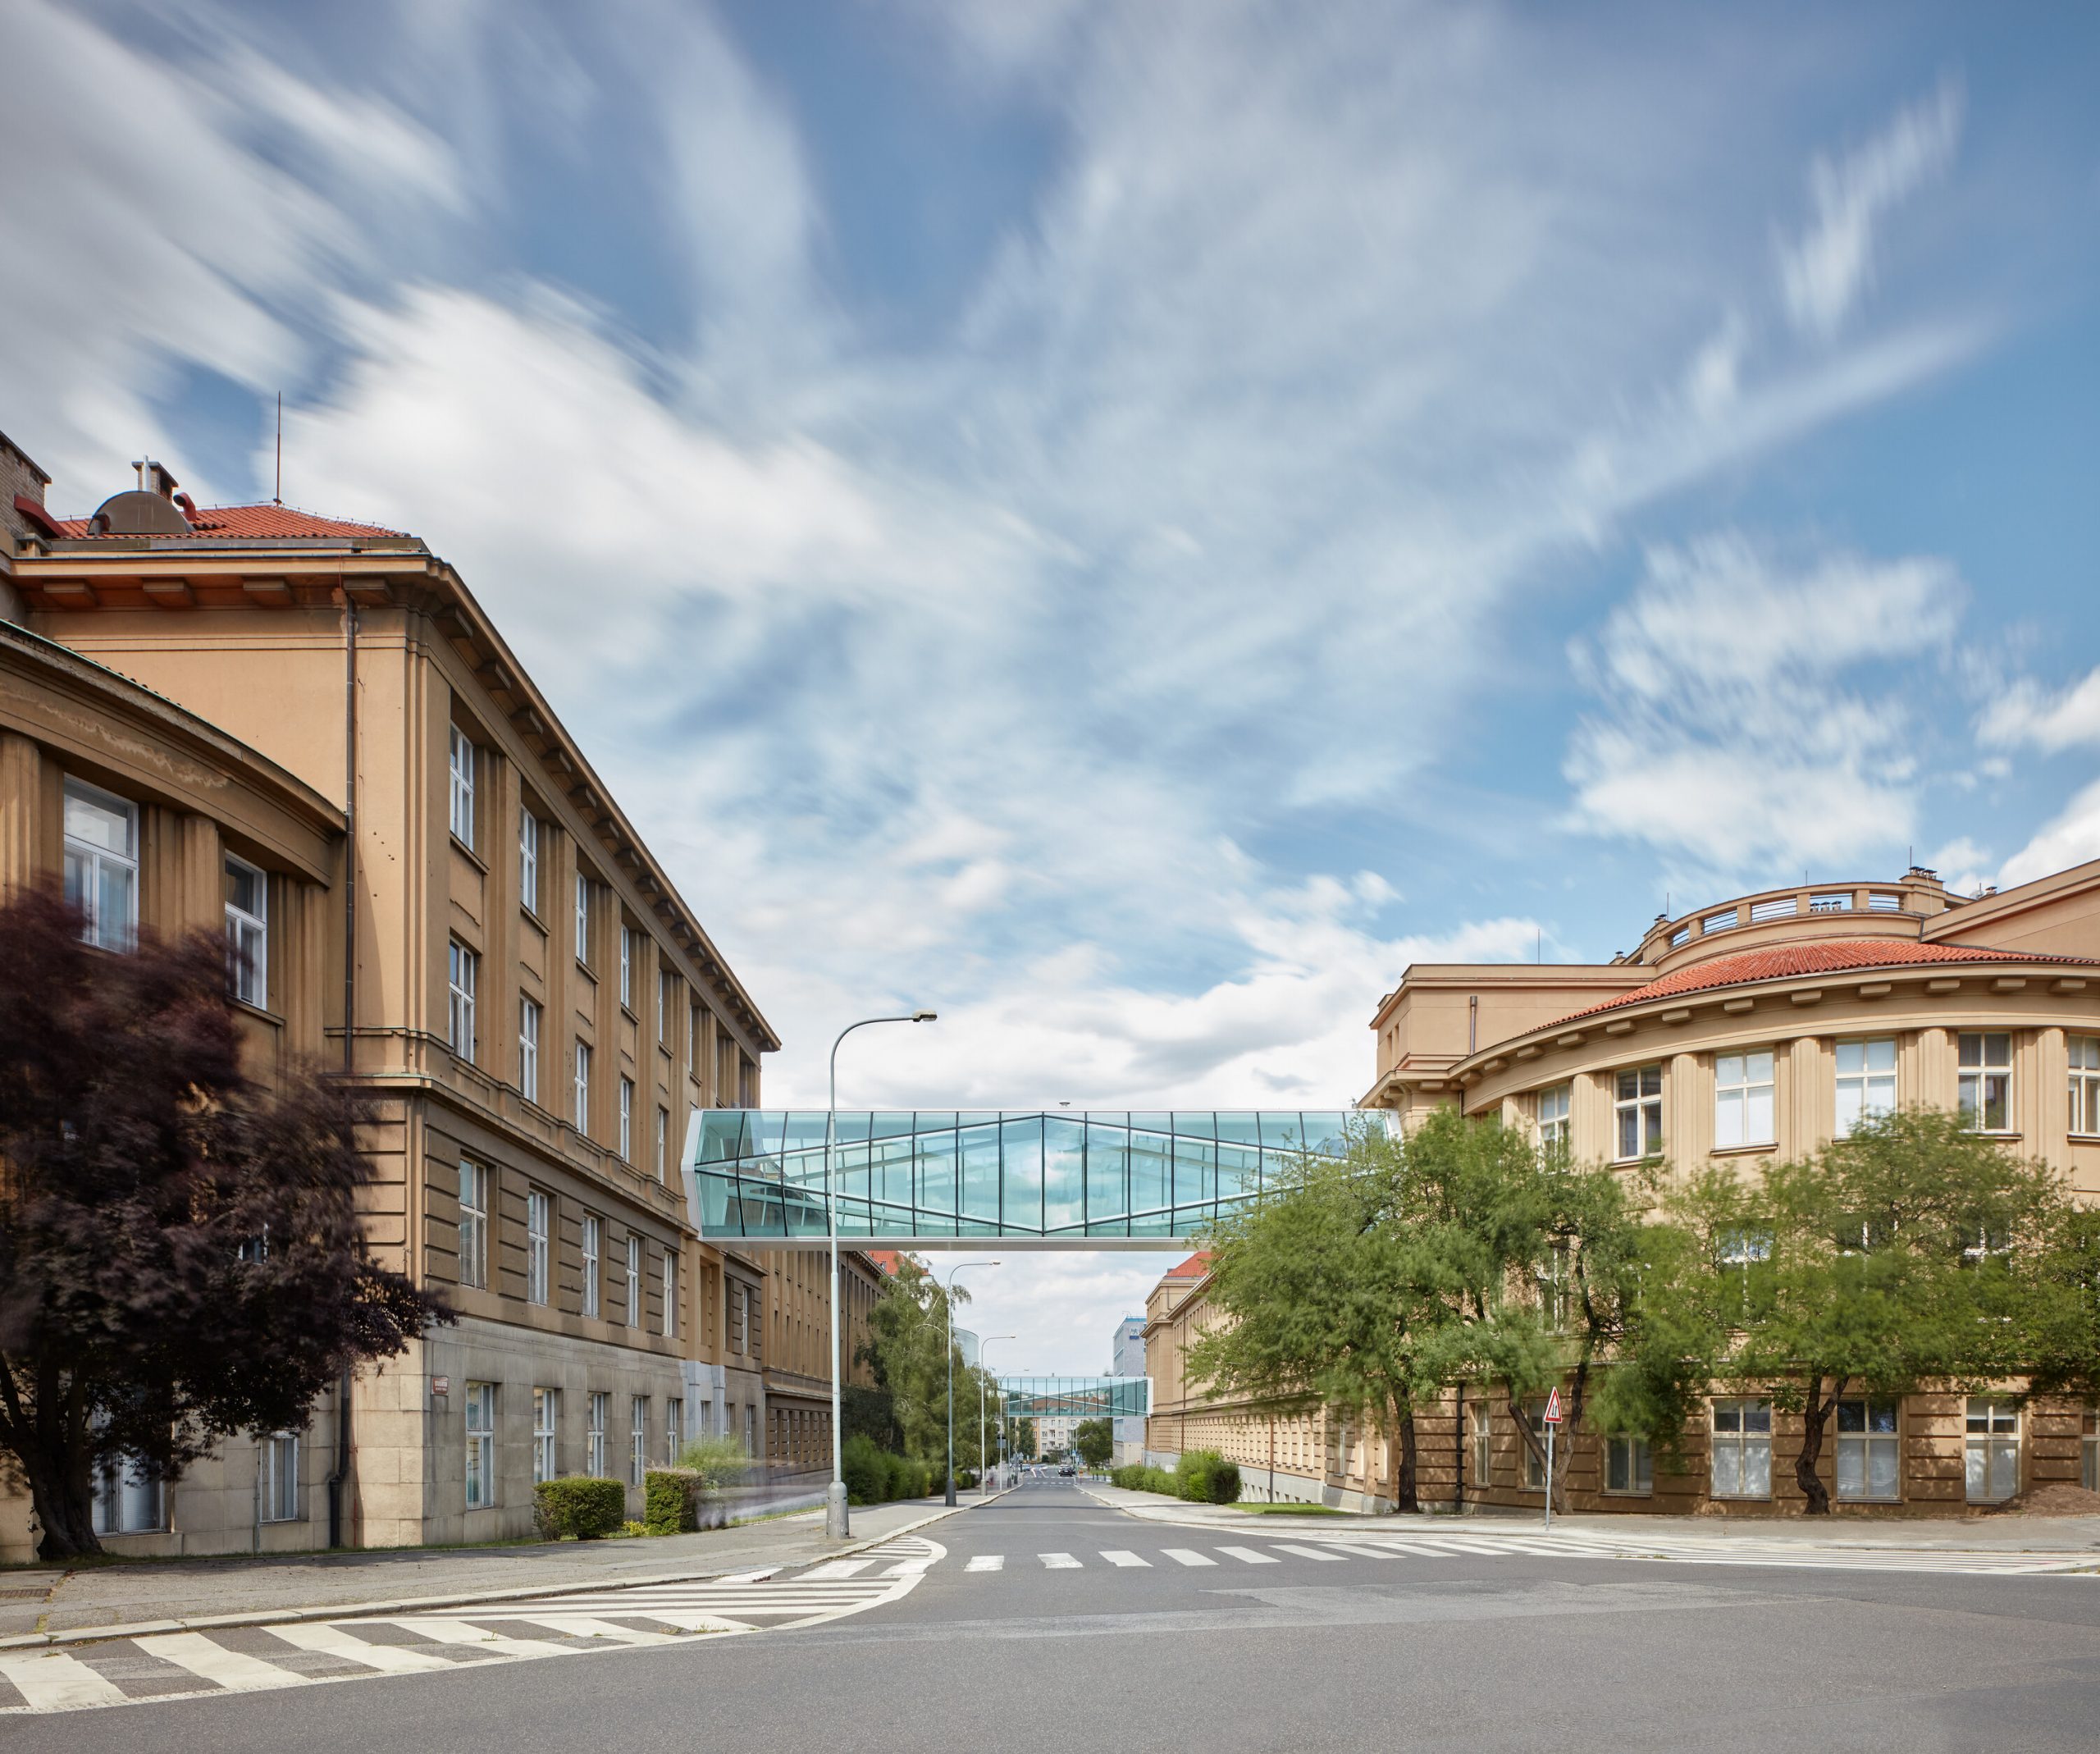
[340,1477]
[1458,1425]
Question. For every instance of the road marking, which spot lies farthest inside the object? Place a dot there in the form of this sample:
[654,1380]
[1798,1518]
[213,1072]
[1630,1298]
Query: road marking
[231,1669]
[1058,1562]
[389,1659]
[480,1638]
[1251,1557]
[1189,1556]
[1118,1556]
[1290,1546]
[1362,1550]
[52,1681]
[837,1568]
[588,1626]
[988,1562]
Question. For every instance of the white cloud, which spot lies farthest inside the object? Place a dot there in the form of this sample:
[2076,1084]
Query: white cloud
[1962,865]
[1824,271]
[1742,729]
[2072,838]
[2028,713]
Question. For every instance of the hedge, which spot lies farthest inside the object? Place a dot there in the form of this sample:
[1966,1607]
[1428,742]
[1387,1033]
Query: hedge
[1203,1477]
[670,1501]
[874,1475]
[579,1506]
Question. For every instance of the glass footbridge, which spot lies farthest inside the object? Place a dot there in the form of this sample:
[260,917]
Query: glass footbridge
[1055,1178]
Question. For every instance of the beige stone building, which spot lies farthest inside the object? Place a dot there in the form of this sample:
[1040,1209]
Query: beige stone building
[1748,1029]
[317,717]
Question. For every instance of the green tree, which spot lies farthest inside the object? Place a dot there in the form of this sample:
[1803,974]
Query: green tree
[1095,1441]
[1024,1439]
[907,1351]
[1914,1253]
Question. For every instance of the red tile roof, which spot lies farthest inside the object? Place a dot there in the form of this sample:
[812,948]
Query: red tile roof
[1195,1268]
[1823,956]
[263,523]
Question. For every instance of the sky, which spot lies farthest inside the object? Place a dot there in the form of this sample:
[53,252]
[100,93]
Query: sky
[1130,525]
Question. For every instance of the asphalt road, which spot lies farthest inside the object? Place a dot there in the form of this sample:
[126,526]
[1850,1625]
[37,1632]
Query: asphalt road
[1067,1644]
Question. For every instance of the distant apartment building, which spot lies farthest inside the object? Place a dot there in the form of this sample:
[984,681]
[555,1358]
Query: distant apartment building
[307,732]
[1126,1358]
[1748,1029]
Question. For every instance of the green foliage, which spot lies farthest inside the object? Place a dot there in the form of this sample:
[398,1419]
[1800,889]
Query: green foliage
[908,1350]
[875,1476]
[1024,1439]
[1203,1477]
[1094,1439]
[1130,1477]
[870,1412]
[579,1506]
[670,1501]
[1159,1480]
[720,1462]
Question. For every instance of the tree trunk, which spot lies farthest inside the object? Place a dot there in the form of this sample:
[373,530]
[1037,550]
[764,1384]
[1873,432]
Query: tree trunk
[1406,1495]
[1815,1417]
[1578,1394]
[63,1498]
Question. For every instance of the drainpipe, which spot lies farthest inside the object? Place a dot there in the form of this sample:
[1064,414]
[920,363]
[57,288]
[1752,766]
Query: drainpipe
[1458,1425]
[339,1477]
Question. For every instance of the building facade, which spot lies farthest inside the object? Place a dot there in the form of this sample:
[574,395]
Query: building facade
[1126,1358]
[473,928]
[1751,1030]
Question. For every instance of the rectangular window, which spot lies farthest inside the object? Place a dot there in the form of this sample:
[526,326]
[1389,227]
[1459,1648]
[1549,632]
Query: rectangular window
[1986,1081]
[473,1223]
[627,1119]
[1742,1449]
[634,1281]
[130,1499]
[1534,1461]
[464,978]
[546,1413]
[626,968]
[692,1038]
[1742,1099]
[2089,1452]
[1992,1457]
[664,996]
[248,933]
[1629,1465]
[662,1143]
[581,1107]
[280,1478]
[462,788]
[102,864]
[1638,1110]
[1866,1082]
[1483,1445]
[480,1445]
[1553,1120]
[528,861]
[2085,1084]
[674,1429]
[539,1215]
[528,1049]
[638,1441]
[1869,1454]
[670,1292]
[583,919]
[594,1232]
[595,1436]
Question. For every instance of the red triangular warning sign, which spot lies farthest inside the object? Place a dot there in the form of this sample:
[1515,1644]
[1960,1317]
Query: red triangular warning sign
[1552,1408]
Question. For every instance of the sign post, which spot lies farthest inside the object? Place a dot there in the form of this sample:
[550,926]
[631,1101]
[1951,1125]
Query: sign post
[1552,1425]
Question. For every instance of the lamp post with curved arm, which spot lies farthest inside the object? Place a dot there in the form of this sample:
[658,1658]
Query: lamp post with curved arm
[836,1523]
[984,1371]
[959,1267]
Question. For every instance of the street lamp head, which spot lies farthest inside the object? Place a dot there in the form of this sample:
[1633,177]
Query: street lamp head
[925,1016]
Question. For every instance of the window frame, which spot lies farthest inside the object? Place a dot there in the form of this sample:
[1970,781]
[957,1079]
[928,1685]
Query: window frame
[539,1246]
[1554,1119]
[662,1143]
[460,764]
[1866,1442]
[546,1432]
[670,1269]
[87,894]
[2082,1053]
[627,1119]
[580,1090]
[674,1419]
[633,1279]
[626,968]
[473,1225]
[247,936]
[638,1440]
[480,1478]
[1644,1107]
[1864,1080]
[530,1012]
[1483,1445]
[1991,1445]
[1746,1442]
[599,1406]
[1534,1474]
[665,993]
[582,921]
[591,1241]
[279,1483]
[462,961]
[528,861]
[120,1484]
[1742,1089]
[1639,1457]
[1973,1079]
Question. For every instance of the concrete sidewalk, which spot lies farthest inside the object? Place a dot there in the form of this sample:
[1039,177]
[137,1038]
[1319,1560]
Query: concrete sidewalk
[2006,1532]
[53,1604]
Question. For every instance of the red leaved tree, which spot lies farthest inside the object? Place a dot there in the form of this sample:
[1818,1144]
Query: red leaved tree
[179,1256]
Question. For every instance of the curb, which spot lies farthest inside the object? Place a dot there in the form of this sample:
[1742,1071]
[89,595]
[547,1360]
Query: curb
[423,1604]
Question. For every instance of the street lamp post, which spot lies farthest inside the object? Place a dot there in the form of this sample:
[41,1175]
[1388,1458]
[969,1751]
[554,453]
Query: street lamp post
[959,1267]
[836,1524]
[984,1370]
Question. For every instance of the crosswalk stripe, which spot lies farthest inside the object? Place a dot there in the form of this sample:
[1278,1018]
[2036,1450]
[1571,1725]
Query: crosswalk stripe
[1361,1550]
[1288,1547]
[1118,1556]
[52,1681]
[1188,1557]
[837,1568]
[234,1670]
[986,1562]
[480,1638]
[1058,1562]
[588,1626]
[1251,1557]
[389,1659]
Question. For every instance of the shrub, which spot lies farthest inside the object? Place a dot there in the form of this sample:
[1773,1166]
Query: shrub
[670,1501]
[631,1530]
[577,1504]
[866,1470]
[1206,1477]
[1131,1476]
[720,1462]
[1159,1480]
[966,1479]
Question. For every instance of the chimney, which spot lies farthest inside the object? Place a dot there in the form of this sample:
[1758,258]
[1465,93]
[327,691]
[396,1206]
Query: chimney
[22,517]
[153,477]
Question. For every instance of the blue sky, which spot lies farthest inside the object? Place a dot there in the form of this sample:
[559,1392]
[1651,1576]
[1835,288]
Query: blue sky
[1130,524]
